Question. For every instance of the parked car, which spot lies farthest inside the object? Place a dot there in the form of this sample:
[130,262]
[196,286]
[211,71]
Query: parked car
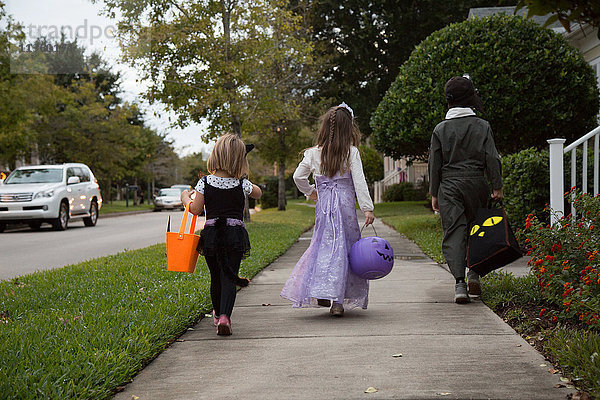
[168,198]
[52,194]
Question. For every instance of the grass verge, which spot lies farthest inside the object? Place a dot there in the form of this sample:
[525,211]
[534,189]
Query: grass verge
[119,206]
[415,221]
[83,330]
[573,348]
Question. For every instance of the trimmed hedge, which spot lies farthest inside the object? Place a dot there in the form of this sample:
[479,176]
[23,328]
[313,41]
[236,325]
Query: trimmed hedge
[522,72]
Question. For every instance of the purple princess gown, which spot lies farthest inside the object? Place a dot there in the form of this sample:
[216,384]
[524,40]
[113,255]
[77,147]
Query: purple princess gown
[323,271]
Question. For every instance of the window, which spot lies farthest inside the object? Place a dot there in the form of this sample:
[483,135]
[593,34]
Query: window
[83,174]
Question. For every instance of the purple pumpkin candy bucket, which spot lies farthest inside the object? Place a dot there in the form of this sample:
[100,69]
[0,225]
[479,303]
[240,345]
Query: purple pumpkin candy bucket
[371,257]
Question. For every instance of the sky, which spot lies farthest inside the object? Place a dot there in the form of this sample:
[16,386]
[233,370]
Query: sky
[94,32]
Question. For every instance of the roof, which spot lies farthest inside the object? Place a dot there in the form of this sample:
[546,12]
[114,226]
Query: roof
[483,12]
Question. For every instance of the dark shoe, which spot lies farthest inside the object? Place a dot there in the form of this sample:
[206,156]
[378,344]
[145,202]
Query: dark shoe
[324,302]
[224,326]
[460,293]
[473,284]
[337,310]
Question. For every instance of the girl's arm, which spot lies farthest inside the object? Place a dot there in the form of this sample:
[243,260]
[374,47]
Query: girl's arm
[301,175]
[256,192]
[360,186]
[197,205]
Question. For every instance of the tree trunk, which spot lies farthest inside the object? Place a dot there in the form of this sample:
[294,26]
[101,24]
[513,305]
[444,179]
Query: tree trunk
[281,173]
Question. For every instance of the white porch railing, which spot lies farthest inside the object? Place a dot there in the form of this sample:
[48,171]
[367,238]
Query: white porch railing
[557,152]
[412,173]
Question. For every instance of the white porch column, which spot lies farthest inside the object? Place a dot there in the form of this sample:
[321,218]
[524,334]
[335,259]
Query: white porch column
[556,179]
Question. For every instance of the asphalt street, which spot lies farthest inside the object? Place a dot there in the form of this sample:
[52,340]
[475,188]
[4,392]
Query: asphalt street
[23,251]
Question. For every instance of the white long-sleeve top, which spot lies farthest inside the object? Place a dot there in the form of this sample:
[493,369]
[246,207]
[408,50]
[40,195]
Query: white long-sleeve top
[311,163]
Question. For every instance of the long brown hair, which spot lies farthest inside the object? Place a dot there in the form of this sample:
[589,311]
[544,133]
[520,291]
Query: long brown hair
[337,134]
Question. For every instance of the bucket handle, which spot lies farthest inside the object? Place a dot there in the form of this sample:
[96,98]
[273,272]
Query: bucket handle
[361,229]
[184,221]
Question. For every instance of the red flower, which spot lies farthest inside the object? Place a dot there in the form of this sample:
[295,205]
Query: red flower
[538,262]
[549,258]
[555,319]
[542,311]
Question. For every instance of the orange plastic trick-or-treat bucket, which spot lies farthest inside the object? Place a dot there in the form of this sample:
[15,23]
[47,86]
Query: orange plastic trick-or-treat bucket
[182,253]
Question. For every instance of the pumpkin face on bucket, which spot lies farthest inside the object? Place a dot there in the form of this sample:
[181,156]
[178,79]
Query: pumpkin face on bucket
[371,258]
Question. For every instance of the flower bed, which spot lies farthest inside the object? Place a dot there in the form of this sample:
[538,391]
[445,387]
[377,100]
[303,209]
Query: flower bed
[566,261]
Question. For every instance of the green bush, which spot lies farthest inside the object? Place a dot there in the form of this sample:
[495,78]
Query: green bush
[269,192]
[526,183]
[404,191]
[521,71]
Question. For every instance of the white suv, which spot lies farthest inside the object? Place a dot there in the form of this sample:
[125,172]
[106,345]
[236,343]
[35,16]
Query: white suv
[50,193]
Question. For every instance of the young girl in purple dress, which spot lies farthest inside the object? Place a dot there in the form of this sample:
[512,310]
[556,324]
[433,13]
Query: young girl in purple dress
[322,276]
[224,240]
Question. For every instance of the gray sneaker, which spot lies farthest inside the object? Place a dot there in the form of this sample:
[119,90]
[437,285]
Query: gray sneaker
[460,293]
[473,286]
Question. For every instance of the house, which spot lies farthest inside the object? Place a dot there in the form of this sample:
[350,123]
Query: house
[584,38]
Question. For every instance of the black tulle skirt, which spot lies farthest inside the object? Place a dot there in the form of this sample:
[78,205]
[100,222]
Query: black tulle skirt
[221,239]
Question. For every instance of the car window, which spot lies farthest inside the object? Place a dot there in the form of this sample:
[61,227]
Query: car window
[83,174]
[37,175]
[169,192]
[71,172]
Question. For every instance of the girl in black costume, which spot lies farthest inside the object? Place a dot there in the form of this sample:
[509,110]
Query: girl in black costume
[224,240]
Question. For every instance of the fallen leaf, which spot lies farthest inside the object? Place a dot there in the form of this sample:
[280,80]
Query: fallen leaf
[553,371]
[371,390]
[266,304]
[141,289]
[543,365]
[208,315]
[444,394]
[570,387]
[397,355]
[563,379]
[134,397]
[519,345]
[559,385]
[180,340]
[190,329]
[581,396]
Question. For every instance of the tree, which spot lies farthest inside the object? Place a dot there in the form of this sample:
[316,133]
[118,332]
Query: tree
[565,11]
[366,42]
[191,165]
[372,164]
[521,71]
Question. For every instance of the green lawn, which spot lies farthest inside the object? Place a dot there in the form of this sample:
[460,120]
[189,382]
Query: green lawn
[83,330]
[119,206]
[415,221]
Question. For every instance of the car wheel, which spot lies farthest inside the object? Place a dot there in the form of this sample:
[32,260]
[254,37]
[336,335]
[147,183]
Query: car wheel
[62,222]
[2,226]
[93,218]
[35,225]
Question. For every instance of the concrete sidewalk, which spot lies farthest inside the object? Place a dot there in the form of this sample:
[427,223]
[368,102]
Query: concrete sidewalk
[448,351]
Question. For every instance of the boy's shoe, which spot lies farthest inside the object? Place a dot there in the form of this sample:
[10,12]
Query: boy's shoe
[337,310]
[460,293]
[215,319]
[473,283]
[324,302]
[224,326]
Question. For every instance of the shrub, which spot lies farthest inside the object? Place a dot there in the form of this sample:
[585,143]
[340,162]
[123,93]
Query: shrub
[270,192]
[506,57]
[566,259]
[526,183]
[405,191]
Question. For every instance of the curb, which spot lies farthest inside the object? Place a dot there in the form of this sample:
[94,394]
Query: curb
[123,214]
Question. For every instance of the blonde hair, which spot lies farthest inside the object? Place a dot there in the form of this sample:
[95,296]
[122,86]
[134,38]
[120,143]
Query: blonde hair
[337,134]
[229,155]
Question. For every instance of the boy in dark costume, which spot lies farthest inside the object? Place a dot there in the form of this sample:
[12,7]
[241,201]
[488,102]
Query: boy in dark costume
[462,152]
